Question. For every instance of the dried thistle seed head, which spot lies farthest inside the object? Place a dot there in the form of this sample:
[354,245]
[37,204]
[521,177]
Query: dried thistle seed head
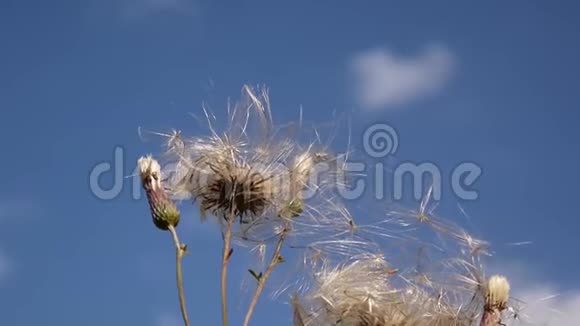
[238,191]
[163,210]
[366,292]
[497,293]
[302,167]
[300,171]
[352,293]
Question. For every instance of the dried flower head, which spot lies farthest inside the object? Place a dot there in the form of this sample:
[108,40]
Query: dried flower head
[227,174]
[253,172]
[434,276]
[365,292]
[497,293]
[163,210]
[236,190]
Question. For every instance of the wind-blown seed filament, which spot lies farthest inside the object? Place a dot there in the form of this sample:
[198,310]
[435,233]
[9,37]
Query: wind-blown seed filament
[267,189]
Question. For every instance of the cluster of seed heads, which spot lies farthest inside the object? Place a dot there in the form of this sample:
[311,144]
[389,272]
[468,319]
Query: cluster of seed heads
[352,279]
[364,293]
[449,289]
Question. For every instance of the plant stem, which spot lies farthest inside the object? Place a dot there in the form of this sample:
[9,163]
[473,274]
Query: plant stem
[491,317]
[264,278]
[179,251]
[225,261]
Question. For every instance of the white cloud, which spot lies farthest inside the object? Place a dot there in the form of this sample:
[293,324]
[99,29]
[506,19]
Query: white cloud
[385,80]
[539,302]
[543,306]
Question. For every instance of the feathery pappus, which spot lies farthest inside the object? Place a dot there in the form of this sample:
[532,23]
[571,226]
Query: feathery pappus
[405,268]
[254,172]
[382,285]
[365,292]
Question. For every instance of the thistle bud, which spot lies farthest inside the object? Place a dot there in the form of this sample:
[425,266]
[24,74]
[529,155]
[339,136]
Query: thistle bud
[163,209]
[497,293]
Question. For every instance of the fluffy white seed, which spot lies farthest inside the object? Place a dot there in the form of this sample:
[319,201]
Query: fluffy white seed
[497,292]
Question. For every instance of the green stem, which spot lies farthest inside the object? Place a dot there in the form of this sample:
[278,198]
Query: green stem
[224,274]
[491,317]
[179,251]
[262,280]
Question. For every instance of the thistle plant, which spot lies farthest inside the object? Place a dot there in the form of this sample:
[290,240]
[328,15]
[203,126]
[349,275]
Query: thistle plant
[265,188]
[496,300]
[165,217]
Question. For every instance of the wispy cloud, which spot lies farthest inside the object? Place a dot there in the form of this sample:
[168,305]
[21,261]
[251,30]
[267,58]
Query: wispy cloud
[542,306]
[385,80]
[537,301]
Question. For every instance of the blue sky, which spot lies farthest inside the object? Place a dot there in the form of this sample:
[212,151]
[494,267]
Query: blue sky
[493,83]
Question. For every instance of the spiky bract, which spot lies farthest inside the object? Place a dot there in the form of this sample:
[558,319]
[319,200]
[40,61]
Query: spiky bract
[163,210]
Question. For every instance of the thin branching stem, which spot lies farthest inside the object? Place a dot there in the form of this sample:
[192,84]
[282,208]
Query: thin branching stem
[276,259]
[225,260]
[491,317]
[179,252]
